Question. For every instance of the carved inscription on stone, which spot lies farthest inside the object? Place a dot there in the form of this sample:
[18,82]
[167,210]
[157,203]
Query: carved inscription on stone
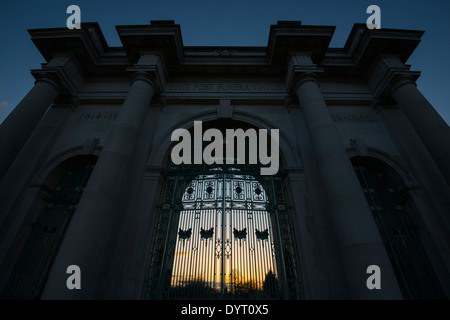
[225,52]
[99,116]
[225,87]
[351,117]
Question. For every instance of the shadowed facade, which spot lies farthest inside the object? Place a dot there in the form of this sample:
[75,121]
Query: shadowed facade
[364,169]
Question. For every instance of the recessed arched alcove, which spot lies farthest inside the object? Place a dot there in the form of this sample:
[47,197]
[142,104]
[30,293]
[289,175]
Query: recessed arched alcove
[223,231]
[387,196]
[51,214]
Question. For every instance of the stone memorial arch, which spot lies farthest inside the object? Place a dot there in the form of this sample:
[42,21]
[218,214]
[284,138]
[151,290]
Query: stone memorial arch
[86,176]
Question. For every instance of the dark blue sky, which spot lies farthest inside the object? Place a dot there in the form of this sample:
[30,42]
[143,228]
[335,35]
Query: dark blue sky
[225,22]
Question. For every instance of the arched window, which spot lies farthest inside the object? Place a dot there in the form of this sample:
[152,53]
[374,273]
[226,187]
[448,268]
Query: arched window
[411,266]
[29,276]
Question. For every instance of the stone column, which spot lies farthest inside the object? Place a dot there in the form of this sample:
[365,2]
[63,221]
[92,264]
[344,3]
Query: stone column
[87,238]
[13,204]
[359,240]
[18,126]
[139,235]
[431,128]
[309,239]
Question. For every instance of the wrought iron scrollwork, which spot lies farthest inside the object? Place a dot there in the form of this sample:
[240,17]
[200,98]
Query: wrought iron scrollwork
[237,213]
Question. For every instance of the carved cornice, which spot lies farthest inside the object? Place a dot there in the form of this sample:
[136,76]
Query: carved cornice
[149,68]
[86,45]
[88,49]
[66,72]
[387,74]
[300,69]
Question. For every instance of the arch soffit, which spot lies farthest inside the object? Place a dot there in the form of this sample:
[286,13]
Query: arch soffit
[405,175]
[163,142]
[52,164]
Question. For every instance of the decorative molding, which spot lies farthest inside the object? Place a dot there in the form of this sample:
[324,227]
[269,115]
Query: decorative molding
[383,76]
[224,109]
[301,69]
[302,77]
[228,87]
[401,80]
[65,70]
[393,162]
[50,78]
[225,52]
[150,68]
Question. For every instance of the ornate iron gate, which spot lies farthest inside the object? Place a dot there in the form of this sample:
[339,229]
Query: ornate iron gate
[412,268]
[31,271]
[223,234]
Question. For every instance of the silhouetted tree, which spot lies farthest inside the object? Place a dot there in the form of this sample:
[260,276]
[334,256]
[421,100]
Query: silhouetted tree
[242,288]
[270,285]
[194,288]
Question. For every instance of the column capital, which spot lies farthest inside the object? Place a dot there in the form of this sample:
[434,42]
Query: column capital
[428,124]
[64,71]
[50,78]
[22,121]
[386,70]
[302,78]
[146,76]
[400,80]
[149,68]
[300,69]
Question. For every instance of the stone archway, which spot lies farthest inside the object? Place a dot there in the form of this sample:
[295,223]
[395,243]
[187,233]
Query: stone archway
[381,185]
[247,229]
[30,273]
